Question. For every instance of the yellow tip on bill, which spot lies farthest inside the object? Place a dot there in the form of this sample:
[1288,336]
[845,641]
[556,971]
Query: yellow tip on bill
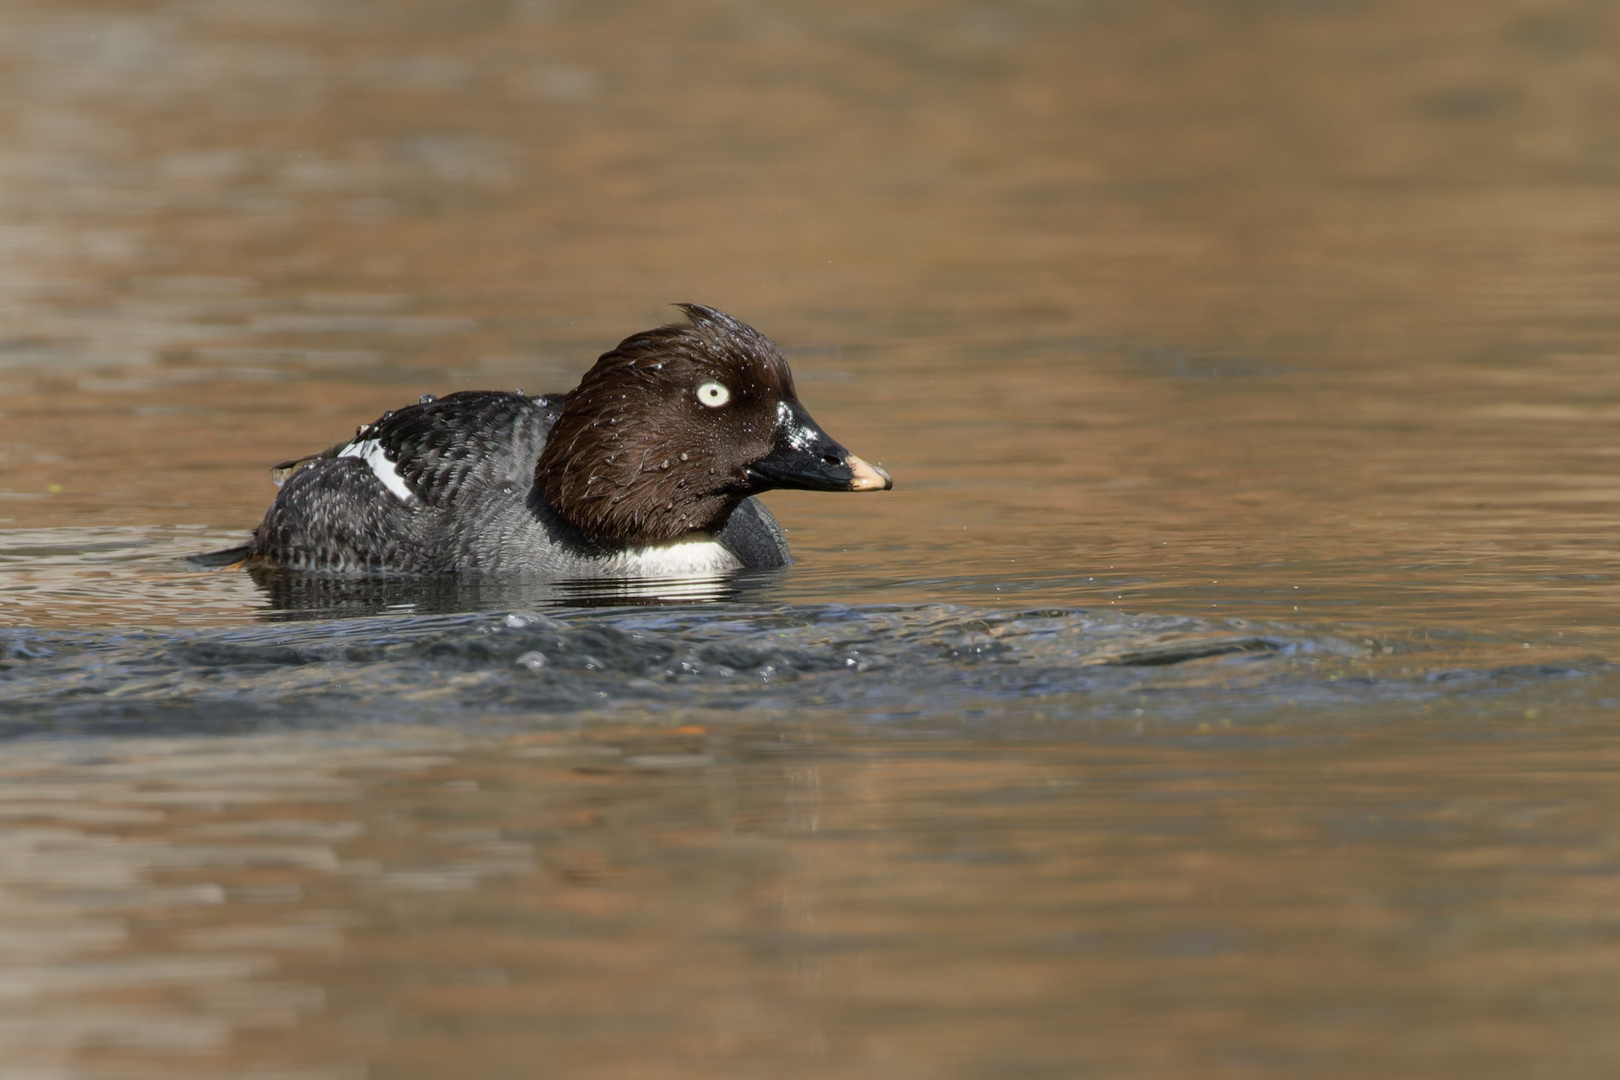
[868,477]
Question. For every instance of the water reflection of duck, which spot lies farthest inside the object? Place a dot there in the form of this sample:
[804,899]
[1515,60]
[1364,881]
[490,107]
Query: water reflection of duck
[644,470]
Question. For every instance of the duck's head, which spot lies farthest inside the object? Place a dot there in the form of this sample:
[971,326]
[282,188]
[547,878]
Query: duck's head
[673,428]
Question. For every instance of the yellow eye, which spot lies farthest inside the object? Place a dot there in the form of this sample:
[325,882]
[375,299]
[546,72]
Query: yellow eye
[713,394]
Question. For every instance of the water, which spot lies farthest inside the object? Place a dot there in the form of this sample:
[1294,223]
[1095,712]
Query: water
[1226,689]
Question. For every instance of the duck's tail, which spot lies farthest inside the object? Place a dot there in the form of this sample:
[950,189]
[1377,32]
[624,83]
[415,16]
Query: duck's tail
[229,559]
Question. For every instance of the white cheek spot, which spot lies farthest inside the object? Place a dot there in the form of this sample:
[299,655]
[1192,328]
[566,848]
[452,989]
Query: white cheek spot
[371,452]
[713,394]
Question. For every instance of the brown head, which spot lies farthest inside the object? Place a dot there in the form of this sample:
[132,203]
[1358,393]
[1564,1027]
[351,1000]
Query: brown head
[672,429]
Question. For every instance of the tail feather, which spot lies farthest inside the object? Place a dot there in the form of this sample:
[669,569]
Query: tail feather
[227,559]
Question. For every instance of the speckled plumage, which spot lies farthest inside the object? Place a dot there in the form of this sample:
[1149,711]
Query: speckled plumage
[650,482]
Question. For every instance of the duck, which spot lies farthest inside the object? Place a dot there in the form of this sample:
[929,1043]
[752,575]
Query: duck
[648,469]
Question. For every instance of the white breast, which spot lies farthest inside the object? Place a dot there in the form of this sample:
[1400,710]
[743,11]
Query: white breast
[689,559]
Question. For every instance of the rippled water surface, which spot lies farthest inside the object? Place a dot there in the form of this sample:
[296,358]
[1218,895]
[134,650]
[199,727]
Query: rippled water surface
[1226,689]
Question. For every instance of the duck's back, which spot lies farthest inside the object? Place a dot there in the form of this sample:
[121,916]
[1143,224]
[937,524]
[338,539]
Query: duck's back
[447,486]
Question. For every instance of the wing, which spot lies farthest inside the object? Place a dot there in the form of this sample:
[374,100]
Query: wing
[359,505]
[334,514]
[426,454]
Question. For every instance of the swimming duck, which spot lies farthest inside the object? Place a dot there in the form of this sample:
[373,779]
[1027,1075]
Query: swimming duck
[646,469]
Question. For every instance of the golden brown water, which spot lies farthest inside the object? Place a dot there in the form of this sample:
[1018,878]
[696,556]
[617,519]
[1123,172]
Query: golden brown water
[1300,314]
[773,901]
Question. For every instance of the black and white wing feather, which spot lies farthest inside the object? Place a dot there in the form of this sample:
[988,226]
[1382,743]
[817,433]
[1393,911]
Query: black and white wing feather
[431,451]
[371,501]
[476,440]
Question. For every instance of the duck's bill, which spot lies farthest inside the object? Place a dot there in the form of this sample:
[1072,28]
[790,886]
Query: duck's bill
[807,457]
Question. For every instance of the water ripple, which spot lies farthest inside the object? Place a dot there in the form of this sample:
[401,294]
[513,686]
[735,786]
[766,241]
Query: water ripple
[528,668]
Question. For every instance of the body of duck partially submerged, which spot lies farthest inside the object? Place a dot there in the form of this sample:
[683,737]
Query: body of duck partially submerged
[647,469]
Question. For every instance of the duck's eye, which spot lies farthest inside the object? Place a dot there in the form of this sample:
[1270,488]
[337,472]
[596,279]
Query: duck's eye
[713,394]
